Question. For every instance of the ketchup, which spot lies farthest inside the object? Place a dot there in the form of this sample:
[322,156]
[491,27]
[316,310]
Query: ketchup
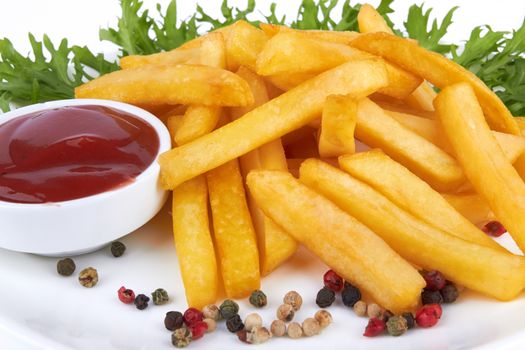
[72,152]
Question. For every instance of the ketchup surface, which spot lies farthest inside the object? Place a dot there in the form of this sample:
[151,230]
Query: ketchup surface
[72,152]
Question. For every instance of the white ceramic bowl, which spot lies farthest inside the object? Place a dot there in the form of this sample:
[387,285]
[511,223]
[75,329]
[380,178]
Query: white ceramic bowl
[85,224]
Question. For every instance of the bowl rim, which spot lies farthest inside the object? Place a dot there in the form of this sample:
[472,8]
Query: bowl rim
[152,170]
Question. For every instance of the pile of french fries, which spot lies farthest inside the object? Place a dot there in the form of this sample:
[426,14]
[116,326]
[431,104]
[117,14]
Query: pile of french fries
[344,146]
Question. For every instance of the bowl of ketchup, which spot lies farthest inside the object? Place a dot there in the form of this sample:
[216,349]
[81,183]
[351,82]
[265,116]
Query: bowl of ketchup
[77,174]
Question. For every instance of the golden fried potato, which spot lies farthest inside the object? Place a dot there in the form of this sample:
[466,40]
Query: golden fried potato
[233,231]
[176,56]
[172,123]
[243,44]
[342,242]
[489,271]
[331,36]
[286,113]
[484,162]
[412,194]
[180,84]
[336,136]
[471,205]
[438,70]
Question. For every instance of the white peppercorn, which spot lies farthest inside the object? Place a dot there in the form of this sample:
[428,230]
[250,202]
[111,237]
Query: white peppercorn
[360,308]
[278,328]
[374,311]
[294,299]
[324,318]
[212,312]
[258,335]
[252,320]
[294,330]
[285,312]
[311,327]
[212,325]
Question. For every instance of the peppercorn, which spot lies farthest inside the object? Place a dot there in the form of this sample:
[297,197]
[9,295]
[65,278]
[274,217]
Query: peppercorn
[198,329]
[333,281]
[411,322]
[173,320]
[294,299]
[374,311]
[160,296]
[228,309]
[294,330]
[350,295]
[258,335]
[396,325]
[324,318]
[285,312]
[325,297]
[117,249]
[242,335]
[311,327]
[258,298]
[428,315]
[435,280]
[181,338]
[385,315]
[449,293]
[374,327]
[141,301]
[252,320]
[278,328]
[127,296]
[212,325]
[234,323]
[66,267]
[88,277]
[431,297]
[192,316]
[360,308]
[211,311]
[494,229]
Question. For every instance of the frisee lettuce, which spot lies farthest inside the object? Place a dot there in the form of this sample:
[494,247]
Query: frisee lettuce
[52,72]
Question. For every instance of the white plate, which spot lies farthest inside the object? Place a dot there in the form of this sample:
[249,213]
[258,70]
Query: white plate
[41,310]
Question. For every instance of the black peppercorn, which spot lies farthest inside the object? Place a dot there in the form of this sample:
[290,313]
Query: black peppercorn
[325,297]
[258,298]
[411,322]
[234,324]
[117,249]
[228,309]
[449,293]
[431,297]
[173,320]
[66,267]
[141,301]
[350,295]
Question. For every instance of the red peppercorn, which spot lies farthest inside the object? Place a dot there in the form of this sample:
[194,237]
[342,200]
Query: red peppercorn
[428,315]
[374,327]
[127,296]
[192,316]
[198,329]
[435,280]
[333,281]
[494,229]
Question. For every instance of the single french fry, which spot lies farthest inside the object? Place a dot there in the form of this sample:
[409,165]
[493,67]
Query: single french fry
[233,231]
[243,44]
[197,42]
[286,113]
[173,122]
[342,242]
[378,129]
[489,271]
[521,124]
[370,21]
[438,70]
[288,81]
[180,84]
[173,57]
[193,242]
[275,245]
[471,206]
[197,121]
[279,56]
[401,107]
[483,160]
[336,136]
[331,36]
[412,194]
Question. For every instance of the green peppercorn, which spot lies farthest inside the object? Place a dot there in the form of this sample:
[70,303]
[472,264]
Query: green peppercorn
[228,309]
[234,324]
[396,325]
[66,267]
[88,277]
[258,298]
[160,296]
[117,249]
[181,338]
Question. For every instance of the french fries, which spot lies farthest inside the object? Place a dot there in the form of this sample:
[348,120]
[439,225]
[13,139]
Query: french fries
[471,206]
[485,270]
[377,129]
[338,239]
[336,136]
[270,121]
[337,37]
[193,242]
[172,123]
[485,164]
[233,231]
[176,56]
[184,84]
[243,44]
[412,194]
[438,70]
